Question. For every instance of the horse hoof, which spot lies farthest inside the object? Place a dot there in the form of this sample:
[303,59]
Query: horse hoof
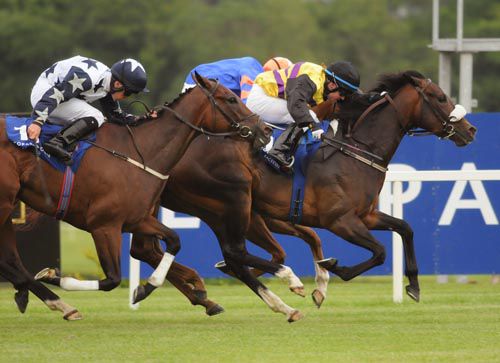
[215,310]
[221,266]
[328,263]
[295,316]
[43,274]
[21,298]
[318,298]
[413,293]
[299,290]
[139,294]
[73,315]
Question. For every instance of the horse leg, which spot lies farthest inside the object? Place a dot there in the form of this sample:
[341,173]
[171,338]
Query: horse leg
[352,229]
[107,240]
[383,222]
[150,226]
[281,271]
[185,279]
[12,269]
[234,255]
[312,239]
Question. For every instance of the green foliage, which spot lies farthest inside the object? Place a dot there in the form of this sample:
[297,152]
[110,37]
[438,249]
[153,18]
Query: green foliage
[172,37]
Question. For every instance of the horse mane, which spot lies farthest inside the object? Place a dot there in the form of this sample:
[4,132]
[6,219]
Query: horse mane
[353,107]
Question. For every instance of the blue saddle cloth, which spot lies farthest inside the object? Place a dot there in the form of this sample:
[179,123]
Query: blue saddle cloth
[306,149]
[17,134]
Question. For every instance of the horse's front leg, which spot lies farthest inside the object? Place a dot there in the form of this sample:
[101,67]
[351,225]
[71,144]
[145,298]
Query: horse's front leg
[185,279]
[150,226]
[353,230]
[383,222]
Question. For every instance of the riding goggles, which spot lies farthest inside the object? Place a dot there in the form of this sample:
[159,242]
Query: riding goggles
[345,88]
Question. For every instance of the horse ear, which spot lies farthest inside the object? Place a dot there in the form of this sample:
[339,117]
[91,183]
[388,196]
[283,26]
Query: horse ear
[417,82]
[202,81]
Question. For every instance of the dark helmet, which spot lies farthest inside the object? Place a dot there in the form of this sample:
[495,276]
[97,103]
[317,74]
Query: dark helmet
[132,74]
[344,74]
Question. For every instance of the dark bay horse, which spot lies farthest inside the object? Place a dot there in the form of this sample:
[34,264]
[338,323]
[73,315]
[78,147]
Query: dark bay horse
[342,193]
[226,169]
[110,195]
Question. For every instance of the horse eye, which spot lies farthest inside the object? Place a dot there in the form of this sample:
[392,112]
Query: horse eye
[442,99]
[232,99]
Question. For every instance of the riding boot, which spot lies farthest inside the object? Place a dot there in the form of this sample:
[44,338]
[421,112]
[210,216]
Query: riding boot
[285,146]
[65,140]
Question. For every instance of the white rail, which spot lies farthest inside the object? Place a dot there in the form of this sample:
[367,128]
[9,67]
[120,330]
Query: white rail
[397,178]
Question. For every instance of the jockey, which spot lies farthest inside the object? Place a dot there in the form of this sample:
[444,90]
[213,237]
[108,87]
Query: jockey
[284,97]
[62,94]
[237,74]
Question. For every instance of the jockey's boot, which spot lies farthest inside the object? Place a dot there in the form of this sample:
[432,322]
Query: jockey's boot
[64,142]
[285,146]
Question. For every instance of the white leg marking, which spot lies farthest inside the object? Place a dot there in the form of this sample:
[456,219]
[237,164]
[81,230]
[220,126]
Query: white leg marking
[322,278]
[274,302]
[71,284]
[158,276]
[286,273]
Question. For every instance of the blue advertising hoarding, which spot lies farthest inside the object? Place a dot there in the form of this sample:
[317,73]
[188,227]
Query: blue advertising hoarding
[456,224]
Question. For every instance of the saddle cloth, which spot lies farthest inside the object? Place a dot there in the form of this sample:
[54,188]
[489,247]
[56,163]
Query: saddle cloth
[17,134]
[308,145]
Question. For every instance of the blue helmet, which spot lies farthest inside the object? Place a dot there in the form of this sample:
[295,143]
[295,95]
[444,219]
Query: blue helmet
[345,75]
[132,74]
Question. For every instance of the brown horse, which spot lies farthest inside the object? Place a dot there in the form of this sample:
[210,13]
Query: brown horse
[226,169]
[110,195]
[342,188]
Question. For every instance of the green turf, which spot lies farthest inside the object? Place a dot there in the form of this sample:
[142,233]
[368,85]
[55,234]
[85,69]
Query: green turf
[358,323]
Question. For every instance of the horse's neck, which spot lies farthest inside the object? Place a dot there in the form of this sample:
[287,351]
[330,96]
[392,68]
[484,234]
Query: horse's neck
[383,132]
[163,141]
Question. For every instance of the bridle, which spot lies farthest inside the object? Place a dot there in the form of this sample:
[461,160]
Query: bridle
[447,121]
[240,130]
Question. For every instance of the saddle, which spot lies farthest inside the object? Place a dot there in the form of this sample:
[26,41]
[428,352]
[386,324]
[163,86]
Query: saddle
[17,133]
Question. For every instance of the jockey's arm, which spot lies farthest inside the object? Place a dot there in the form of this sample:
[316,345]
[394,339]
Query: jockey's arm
[113,112]
[299,91]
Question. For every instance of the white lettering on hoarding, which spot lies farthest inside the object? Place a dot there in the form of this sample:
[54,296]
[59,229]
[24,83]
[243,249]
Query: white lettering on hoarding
[169,219]
[481,201]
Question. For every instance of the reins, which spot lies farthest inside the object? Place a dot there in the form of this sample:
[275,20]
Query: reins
[242,131]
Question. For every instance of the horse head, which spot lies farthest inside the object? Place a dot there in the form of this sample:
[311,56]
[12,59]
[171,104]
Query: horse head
[225,112]
[438,114]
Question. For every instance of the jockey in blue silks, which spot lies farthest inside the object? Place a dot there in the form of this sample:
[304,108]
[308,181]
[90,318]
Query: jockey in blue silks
[237,74]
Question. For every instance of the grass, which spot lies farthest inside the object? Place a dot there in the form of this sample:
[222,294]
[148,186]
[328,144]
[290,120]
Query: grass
[358,323]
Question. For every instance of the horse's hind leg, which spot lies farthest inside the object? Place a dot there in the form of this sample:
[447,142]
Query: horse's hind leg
[383,222]
[12,269]
[353,230]
[312,239]
[185,279]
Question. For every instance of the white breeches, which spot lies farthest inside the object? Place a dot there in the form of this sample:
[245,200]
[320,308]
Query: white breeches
[272,109]
[68,111]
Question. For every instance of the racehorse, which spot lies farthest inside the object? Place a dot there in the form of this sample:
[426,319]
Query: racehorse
[111,195]
[342,186]
[227,170]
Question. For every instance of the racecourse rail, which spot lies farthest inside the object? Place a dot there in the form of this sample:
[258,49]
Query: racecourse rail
[396,178]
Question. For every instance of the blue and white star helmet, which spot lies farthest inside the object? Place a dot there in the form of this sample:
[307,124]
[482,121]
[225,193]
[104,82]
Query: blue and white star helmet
[132,74]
